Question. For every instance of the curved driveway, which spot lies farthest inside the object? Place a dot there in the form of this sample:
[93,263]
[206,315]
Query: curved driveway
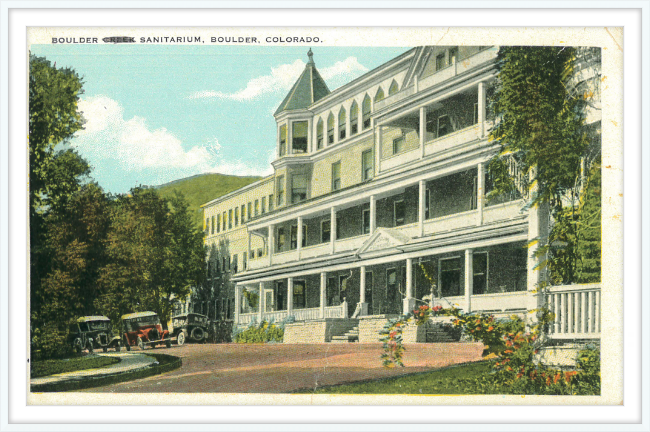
[280,368]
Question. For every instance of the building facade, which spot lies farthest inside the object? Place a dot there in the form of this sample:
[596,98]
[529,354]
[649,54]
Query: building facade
[377,204]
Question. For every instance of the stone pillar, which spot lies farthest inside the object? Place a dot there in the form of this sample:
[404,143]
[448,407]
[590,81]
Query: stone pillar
[422,200]
[323,293]
[481,109]
[289,296]
[363,306]
[271,243]
[373,214]
[237,303]
[299,240]
[261,302]
[333,229]
[480,193]
[423,130]
[469,279]
[409,301]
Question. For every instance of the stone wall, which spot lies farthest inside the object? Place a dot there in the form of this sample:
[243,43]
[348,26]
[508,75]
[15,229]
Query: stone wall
[317,331]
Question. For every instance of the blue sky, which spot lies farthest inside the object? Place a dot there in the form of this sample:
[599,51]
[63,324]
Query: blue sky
[159,113]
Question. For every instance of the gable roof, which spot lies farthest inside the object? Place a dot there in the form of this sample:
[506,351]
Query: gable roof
[309,88]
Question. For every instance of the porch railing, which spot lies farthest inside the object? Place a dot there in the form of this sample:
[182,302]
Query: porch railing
[577,311]
[339,311]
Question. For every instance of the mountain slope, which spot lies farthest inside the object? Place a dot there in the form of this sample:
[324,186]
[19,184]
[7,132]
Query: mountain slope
[200,189]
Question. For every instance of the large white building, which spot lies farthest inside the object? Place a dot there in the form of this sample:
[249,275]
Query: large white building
[379,189]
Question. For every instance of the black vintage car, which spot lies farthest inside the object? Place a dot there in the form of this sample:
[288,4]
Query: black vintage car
[93,332]
[190,327]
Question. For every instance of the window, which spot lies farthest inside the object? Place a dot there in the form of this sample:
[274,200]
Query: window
[280,189]
[225,221]
[365,112]
[230,219]
[367,165]
[480,277]
[299,136]
[234,263]
[450,276]
[219,223]
[283,140]
[342,123]
[228,263]
[257,207]
[236,216]
[263,205]
[379,95]
[298,188]
[281,239]
[444,125]
[398,144]
[271,202]
[294,236]
[368,289]
[252,253]
[330,129]
[475,113]
[260,252]
[336,175]
[332,292]
[248,210]
[365,224]
[398,213]
[212,232]
[319,134]
[394,88]
[206,227]
[325,230]
[244,260]
[453,55]
[427,203]
[223,264]
[354,119]
[299,294]
[243,212]
[440,61]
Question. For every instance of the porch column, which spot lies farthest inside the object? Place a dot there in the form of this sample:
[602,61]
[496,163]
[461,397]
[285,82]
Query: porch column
[237,303]
[249,247]
[469,279]
[323,298]
[422,205]
[261,303]
[480,193]
[373,214]
[289,296]
[423,129]
[481,109]
[378,142]
[537,236]
[363,306]
[271,243]
[333,229]
[299,245]
[409,301]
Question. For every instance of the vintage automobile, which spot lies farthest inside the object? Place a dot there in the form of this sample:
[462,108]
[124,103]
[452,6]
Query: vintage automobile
[190,327]
[93,332]
[142,329]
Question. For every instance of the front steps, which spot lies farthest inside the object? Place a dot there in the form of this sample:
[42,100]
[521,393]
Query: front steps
[351,335]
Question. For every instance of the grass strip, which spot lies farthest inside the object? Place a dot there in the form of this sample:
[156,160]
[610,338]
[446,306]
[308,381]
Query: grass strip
[57,366]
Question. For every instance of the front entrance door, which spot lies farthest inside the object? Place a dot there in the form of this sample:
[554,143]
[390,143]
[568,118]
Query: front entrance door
[368,289]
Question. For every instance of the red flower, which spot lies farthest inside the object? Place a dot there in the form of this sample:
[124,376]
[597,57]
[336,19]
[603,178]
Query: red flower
[557,377]
[490,328]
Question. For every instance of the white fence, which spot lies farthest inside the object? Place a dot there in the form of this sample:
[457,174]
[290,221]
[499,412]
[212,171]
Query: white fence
[307,314]
[577,311]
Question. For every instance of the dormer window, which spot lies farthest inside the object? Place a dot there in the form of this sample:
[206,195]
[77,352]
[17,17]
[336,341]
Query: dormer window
[379,95]
[365,108]
[342,124]
[299,136]
[330,129]
[283,140]
[319,135]
[354,119]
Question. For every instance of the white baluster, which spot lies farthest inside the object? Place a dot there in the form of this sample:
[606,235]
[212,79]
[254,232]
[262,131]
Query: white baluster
[590,314]
[562,314]
[556,309]
[597,324]
[576,311]
[583,312]
[570,328]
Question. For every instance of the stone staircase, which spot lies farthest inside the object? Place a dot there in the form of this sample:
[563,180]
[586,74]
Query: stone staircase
[351,335]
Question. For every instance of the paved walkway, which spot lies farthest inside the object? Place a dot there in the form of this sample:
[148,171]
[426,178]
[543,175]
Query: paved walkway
[280,368]
[128,362]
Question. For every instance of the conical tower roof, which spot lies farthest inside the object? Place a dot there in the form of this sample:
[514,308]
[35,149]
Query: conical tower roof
[309,88]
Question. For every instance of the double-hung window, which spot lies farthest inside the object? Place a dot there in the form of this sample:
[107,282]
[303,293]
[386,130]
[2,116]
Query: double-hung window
[325,231]
[365,218]
[367,165]
[283,140]
[336,176]
[280,189]
[298,188]
[299,136]
[398,213]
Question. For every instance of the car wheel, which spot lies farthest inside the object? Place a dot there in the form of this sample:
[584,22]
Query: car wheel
[105,349]
[91,349]
[118,347]
[127,345]
[140,343]
[197,334]
[181,338]
[168,343]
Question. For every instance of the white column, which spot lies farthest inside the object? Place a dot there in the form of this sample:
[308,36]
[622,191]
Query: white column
[378,142]
[537,236]
[271,243]
[289,296]
[423,129]
[422,200]
[373,214]
[299,245]
[277,140]
[363,306]
[469,279]
[409,301]
[333,228]
[249,247]
[323,292]
[237,303]
[480,193]
[261,303]
[481,109]
[310,137]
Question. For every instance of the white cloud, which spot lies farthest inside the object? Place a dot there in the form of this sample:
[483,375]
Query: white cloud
[283,77]
[107,135]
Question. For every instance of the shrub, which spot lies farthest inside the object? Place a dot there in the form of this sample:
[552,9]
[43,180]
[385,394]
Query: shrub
[262,333]
[49,342]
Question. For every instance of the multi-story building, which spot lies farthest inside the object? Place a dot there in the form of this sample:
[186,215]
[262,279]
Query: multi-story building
[377,204]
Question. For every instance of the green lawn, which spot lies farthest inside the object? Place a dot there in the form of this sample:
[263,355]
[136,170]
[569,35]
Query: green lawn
[452,380]
[51,367]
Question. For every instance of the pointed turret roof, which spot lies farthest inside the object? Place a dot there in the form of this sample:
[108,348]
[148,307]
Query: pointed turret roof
[309,88]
